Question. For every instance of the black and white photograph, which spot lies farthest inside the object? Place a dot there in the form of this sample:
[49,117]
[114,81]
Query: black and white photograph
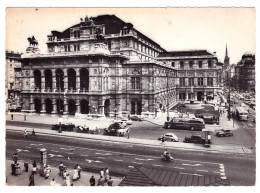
[130,96]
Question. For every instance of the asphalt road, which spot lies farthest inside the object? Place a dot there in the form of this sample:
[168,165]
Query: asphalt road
[120,158]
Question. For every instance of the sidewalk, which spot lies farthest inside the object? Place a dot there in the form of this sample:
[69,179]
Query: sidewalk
[106,122]
[23,179]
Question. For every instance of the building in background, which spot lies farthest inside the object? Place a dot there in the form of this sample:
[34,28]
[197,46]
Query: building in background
[13,81]
[197,74]
[245,73]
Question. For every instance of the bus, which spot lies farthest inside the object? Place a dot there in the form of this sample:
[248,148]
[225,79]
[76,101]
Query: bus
[185,124]
[241,114]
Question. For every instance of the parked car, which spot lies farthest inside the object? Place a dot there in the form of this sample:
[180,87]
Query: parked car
[224,133]
[124,120]
[136,118]
[194,139]
[116,129]
[64,127]
[169,137]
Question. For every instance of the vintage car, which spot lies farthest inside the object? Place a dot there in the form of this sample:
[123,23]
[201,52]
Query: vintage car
[224,133]
[64,127]
[169,137]
[194,139]
[116,129]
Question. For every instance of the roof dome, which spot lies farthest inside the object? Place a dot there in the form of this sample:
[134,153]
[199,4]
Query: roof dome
[99,48]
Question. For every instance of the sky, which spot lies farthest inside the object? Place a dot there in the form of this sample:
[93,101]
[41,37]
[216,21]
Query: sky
[172,28]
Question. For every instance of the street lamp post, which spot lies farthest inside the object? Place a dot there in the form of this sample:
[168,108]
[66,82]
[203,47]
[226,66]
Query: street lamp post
[229,108]
[168,116]
[59,116]
[115,112]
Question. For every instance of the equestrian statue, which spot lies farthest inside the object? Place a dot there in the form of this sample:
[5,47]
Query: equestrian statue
[33,42]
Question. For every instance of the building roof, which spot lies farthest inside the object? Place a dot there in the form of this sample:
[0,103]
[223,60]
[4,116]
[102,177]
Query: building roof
[141,176]
[11,54]
[113,25]
[185,53]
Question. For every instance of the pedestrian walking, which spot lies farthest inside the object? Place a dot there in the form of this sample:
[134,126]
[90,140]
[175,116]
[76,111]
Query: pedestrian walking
[163,139]
[13,169]
[92,181]
[12,117]
[110,181]
[79,170]
[128,133]
[47,171]
[25,133]
[102,172]
[15,158]
[53,182]
[68,183]
[61,169]
[26,166]
[34,167]
[106,174]
[33,133]
[76,174]
[101,181]
[24,117]
[31,180]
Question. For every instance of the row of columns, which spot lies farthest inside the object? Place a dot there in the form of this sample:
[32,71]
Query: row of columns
[100,108]
[54,82]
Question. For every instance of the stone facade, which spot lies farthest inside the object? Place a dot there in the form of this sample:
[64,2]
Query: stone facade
[197,74]
[245,73]
[82,75]
[13,80]
[103,67]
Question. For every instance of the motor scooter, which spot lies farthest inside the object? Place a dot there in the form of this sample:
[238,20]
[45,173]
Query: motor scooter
[167,157]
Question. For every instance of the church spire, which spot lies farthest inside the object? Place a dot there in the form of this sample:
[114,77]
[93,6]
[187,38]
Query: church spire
[226,52]
[226,59]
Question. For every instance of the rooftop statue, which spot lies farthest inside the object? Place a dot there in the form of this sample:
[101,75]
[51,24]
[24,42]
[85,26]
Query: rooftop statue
[32,41]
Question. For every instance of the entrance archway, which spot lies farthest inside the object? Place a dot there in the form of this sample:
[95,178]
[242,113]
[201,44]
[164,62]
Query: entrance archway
[107,107]
[84,79]
[132,107]
[72,107]
[72,79]
[37,105]
[139,108]
[48,79]
[59,79]
[37,79]
[84,106]
[60,106]
[200,96]
[48,106]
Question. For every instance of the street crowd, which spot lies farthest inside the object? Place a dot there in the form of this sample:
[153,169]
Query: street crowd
[104,179]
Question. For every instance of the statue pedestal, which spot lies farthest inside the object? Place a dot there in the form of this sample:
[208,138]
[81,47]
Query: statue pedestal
[32,49]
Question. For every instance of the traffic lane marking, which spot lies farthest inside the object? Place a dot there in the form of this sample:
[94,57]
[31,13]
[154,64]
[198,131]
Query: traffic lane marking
[194,165]
[131,154]
[202,170]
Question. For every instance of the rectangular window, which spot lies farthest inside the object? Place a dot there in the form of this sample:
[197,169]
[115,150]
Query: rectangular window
[200,81]
[209,64]
[210,81]
[191,81]
[182,96]
[200,64]
[135,83]
[182,81]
